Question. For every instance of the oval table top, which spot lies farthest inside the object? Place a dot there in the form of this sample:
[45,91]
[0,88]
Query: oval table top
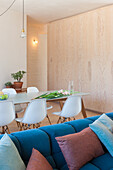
[20,98]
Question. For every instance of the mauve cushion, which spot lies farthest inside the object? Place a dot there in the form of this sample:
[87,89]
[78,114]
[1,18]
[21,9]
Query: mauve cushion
[38,162]
[79,148]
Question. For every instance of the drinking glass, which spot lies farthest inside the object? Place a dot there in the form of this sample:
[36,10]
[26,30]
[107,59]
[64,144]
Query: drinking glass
[71,87]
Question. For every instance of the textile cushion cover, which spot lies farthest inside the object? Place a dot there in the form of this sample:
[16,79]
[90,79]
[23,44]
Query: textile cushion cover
[103,127]
[15,141]
[38,162]
[54,131]
[97,163]
[37,139]
[9,156]
[79,148]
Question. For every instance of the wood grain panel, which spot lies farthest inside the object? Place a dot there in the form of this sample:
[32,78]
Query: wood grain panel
[36,55]
[80,48]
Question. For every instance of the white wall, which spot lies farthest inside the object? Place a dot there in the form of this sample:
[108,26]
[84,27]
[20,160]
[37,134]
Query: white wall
[12,47]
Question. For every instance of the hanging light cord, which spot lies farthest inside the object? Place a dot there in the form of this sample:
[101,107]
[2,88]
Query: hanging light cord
[23,15]
[8,8]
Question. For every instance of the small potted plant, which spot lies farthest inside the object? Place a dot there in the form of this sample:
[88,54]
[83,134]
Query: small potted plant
[8,84]
[18,76]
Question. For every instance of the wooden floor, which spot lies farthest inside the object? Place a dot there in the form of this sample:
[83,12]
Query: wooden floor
[13,126]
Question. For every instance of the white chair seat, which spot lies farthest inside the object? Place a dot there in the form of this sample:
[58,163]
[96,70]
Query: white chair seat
[35,112]
[49,107]
[7,114]
[35,90]
[18,108]
[11,91]
[71,108]
[19,119]
[57,113]
[32,90]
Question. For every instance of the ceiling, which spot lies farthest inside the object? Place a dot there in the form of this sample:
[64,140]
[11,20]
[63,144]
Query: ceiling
[45,11]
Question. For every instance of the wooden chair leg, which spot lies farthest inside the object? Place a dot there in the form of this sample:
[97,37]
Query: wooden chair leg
[7,129]
[74,118]
[20,127]
[63,119]
[18,124]
[49,119]
[3,130]
[26,126]
[69,119]
[16,115]
[58,120]
[37,125]
[33,126]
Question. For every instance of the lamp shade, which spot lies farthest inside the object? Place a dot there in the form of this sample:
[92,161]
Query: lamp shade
[23,34]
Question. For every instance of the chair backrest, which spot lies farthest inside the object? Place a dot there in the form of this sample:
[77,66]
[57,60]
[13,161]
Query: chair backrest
[72,106]
[7,112]
[32,90]
[9,91]
[35,112]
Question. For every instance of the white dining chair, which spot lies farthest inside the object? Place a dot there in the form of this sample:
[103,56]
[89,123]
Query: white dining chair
[32,90]
[7,115]
[34,114]
[35,90]
[9,91]
[12,91]
[71,108]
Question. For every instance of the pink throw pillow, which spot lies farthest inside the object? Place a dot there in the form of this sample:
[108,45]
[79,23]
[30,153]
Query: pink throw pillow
[38,162]
[79,148]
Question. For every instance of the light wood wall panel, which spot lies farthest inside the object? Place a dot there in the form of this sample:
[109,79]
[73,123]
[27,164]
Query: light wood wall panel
[36,55]
[80,48]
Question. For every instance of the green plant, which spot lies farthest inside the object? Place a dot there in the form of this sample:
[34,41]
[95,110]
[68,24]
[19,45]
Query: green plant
[8,83]
[18,76]
[55,94]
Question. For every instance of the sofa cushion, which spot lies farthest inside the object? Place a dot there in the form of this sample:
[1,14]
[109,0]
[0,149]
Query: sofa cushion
[104,162]
[37,139]
[16,142]
[89,166]
[80,124]
[103,127]
[65,167]
[79,148]
[9,155]
[96,117]
[54,131]
[110,115]
[38,162]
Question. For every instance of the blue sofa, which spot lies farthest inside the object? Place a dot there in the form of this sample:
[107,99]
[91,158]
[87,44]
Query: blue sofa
[43,139]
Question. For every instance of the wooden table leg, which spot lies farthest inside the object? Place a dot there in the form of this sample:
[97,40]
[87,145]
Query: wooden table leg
[83,110]
[61,104]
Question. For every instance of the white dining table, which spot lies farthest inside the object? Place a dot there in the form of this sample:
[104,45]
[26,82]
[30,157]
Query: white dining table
[22,98]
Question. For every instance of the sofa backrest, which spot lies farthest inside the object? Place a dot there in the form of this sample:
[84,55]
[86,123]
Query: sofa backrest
[37,139]
[61,130]
[43,139]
